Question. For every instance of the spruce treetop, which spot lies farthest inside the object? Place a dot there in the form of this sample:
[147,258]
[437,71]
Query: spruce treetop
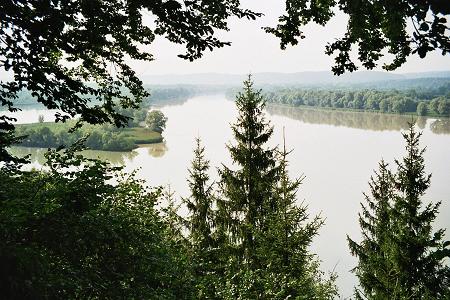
[400,257]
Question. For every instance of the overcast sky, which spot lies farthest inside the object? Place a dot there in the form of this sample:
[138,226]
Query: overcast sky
[253,50]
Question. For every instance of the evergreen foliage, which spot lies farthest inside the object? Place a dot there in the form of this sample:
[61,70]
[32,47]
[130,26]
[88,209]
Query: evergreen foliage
[249,189]
[373,269]
[200,223]
[269,234]
[81,229]
[400,257]
[289,234]
[418,252]
[68,232]
[201,200]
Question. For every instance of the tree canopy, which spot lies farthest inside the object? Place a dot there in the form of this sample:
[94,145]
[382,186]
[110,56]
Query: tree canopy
[156,121]
[56,48]
[68,233]
[374,28]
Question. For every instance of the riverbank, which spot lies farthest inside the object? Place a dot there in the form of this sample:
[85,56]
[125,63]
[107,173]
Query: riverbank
[375,112]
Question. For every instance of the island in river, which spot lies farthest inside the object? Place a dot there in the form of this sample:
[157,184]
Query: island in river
[98,137]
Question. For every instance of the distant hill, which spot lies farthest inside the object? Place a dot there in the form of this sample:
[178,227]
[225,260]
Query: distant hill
[301,78]
[440,74]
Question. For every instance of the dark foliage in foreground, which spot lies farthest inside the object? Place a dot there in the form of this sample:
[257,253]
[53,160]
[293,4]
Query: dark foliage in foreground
[69,233]
[373,28]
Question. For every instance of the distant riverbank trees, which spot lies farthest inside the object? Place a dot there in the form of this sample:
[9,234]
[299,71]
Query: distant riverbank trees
[157,94]
[397,102]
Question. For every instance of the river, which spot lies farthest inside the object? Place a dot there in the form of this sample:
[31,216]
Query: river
[337,151]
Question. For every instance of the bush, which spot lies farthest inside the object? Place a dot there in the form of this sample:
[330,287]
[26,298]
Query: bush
[70,234]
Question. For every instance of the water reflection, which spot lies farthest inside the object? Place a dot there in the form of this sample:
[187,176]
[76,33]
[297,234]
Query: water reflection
[36,154]
[440,126]
[156,150]
[360,120]
[114,157]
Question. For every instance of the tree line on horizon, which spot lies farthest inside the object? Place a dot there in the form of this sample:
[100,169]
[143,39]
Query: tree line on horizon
[422,103]
[81,228]
[156,95]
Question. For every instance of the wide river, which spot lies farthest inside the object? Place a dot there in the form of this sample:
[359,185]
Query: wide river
[336,151]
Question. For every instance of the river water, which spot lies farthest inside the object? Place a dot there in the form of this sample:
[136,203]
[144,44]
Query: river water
[337,152]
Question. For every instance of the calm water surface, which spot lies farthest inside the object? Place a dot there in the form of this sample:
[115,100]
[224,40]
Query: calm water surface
[337,151]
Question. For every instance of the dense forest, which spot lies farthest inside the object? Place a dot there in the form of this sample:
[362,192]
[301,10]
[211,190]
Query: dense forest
[433,101]
[423,86]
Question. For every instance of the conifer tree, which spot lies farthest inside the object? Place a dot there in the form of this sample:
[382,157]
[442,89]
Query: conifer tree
[373,269]
[290,233]
[268,232]
[417,252]
[400,257]
[200,223]
[170,214]
[248,189]
[199,204]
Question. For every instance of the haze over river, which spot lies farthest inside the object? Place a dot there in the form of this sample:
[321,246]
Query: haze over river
[337,151]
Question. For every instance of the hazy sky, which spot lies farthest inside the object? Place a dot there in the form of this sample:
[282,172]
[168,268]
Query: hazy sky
[253,50]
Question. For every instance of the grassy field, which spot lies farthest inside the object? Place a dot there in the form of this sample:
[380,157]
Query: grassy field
[141,135]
